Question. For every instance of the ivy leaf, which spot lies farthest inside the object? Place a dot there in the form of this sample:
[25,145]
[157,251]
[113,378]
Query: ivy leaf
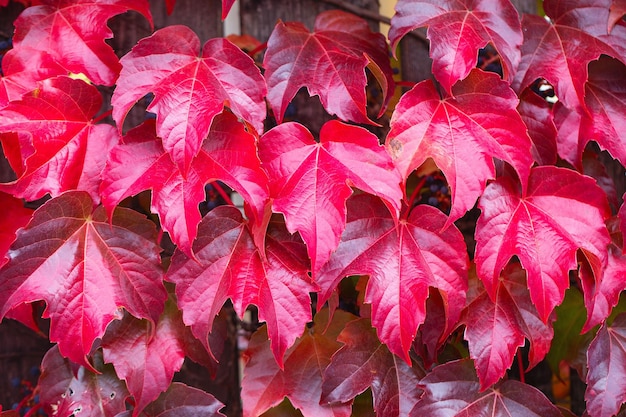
[229,154]
[559,50]
[403,259]
[67,389]
[462,134]
[15,215]
[145,356]
[457,30]
[364,362]
[181,400]
[85,268]
[60,146]
[330,63]
[190,86]
[602,119]
[311,181]
[452,390]
[606,390]
[227,264]
[61,29]
[495,329]
[265,384]
[561,212]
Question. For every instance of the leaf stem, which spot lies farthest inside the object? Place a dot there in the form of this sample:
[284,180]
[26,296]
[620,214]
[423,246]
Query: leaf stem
[258,49]
[103,116]
[414,194]
[222,193]
[520,365]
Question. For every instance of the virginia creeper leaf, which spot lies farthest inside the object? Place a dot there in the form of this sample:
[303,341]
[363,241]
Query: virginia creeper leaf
[457,30]
[181,400]
[561,212]
[452,390]
[621,214]
[602,120]
[85,268]
[559,50]
[228,154]
[310,181]
[403,259]
[68,389]
[14,216]
[60,146]
[432,334]
[190,86]
[495,329]
[364,362]
[265,385]
[229,265]
[330,63]
[537,115]
[60,28]
[606,389]
[144,356]
[462,134]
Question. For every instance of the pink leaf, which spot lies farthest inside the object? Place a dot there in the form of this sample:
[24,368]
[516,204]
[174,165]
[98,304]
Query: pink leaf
[457,30]
[561,212]
[462,134]
[330,63]
[85,268]
[403,260]
[59,27]
[191,86]
[311,181]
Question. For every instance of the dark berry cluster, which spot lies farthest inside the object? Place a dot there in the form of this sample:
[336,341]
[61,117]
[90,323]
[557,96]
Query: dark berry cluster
[435,192]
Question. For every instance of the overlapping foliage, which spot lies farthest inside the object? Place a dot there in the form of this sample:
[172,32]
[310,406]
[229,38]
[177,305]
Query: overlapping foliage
[318,210]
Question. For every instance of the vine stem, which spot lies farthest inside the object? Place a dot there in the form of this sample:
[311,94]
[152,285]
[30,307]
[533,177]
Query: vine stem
[222,193]
[258,49]
[414,194]
[520,365]
[103,116]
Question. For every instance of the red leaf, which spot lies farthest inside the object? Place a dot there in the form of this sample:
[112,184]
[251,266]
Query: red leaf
[144,356]
[67,389]
[560,49]
[14,216]
[60,28]
[85,268]
[330,63]
[602,120]
[462,134]
[617,11]
[311,181]
[182,401]
[495,329]
[561,212]
[265,385]
[606,290]
[61,148]
[403,260]
[228,154]
[621,214]
[457,30]
[189,89]
[452,390]
[22,69]
[537,115]
[606,356]
[364,362]
[229,265]
[226,6]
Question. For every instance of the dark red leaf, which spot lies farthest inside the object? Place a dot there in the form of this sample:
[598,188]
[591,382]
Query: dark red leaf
[495,329]
[61,148]
[66,389]
[60,28]
[229,265]
[602,120]
[311,181]
[14,216]
[452,390]
[190,85]
[606,358]
[403,259]
[330,63]
[145,356]
[265,385]
[561,212]
[462,134]
[85,268]
[537,115]
[621,214]
[432,334]
[457,30]
[181,400]
[228,154]
[364,362]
